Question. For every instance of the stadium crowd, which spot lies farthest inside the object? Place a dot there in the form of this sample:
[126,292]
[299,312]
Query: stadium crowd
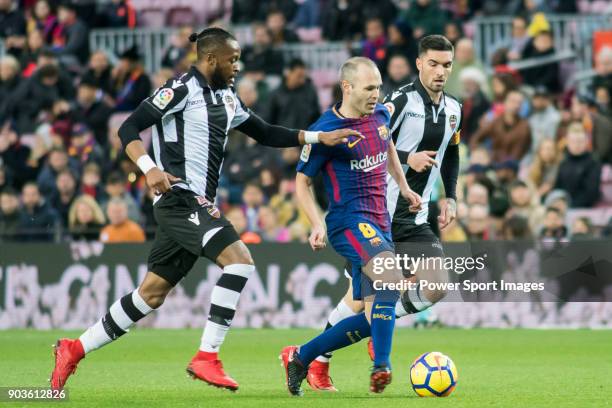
[534,150]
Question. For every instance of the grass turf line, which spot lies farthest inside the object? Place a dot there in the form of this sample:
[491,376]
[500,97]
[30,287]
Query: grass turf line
[497,368]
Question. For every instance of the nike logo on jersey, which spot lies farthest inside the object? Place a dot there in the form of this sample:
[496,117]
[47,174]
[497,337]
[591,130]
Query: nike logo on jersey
[194,218]
[382,307]
[353,143]
[395,95]
[176,84]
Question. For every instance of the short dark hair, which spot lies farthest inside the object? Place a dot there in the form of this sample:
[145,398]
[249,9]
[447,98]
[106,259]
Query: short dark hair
[9,191]
[49,71]
[296,63]
[553,210]
[209,39]
[435,42]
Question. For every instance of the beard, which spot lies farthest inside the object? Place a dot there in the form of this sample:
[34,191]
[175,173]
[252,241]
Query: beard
[217,80]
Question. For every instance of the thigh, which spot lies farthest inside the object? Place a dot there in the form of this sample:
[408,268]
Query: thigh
[168,259]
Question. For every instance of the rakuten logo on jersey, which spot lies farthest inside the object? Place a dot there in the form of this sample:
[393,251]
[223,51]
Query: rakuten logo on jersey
[369,163]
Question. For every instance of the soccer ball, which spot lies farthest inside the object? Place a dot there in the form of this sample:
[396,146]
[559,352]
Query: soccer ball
[433,375]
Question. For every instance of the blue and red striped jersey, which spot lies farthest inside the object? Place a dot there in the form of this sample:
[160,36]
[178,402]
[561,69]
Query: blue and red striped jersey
[354,173]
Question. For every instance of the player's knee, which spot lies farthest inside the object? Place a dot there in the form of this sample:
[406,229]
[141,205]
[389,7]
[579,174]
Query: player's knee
[154,297]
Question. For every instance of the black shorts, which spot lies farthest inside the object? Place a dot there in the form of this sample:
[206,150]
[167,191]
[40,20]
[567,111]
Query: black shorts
[189,226]
[416,240]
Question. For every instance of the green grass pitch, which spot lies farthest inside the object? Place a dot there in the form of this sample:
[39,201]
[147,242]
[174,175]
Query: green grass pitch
[497,368]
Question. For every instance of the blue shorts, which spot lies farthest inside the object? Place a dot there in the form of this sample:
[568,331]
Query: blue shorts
[358,242]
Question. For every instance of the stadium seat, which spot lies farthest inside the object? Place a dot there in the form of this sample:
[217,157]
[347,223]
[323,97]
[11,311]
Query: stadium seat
[180,16]
[152,18]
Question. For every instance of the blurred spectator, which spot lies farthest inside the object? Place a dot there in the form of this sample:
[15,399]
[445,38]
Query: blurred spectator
[83,147]
[5,178]
[252,200]
[64,194]
[375,43]
[43,19]
[15,156]
[9,82]
[558,199]
[425,17]
[10,217]
[120,228]
[474,99]
[603,100]
[260,57]
[238,220]
[38,93]
[546,75]
[579,172]
[516,227]
[453,31]
[248,94]
[478,225]
[148,218]
[92,110]
[597,126]
[477,194]
[519,39]
[119,14]
[180,54]
[85,219]
[464,58]
[544,118]
[543,171]
[57,161]
[244,11]
[91,181]
[582,229]
[271,231]
[12,27]
[38,220]
[603,69]
[276,23]
[71,41]
[509,134]
[116,188]
[308,14]
[295,103]
[342,20]
[501,84]
[526,203]
[131,85]
[553,225]
[29,57]
[400,42]
[99,72]
[398,74]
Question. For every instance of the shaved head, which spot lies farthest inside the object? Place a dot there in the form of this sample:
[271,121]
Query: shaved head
[349,69]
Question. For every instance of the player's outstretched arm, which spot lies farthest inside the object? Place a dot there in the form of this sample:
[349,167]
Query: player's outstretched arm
[307,204]
[279,136]
[395,169]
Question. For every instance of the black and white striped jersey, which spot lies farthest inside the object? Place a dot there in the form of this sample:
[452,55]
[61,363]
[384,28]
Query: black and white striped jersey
[418,124]
[190,137]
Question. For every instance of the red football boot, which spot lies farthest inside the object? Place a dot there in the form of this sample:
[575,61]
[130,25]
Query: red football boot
[208,368]
[318,377]
[371,349]
[67,353]
[379,379]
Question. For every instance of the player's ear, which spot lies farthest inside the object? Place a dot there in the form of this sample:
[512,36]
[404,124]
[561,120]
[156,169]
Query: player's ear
[211,59]
[419,63]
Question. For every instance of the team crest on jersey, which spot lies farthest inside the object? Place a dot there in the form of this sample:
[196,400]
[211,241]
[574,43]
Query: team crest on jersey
[305,153]
[163,98]
[383,132]
[390,107]
[229,101]
[214,211]
[452,121]
[375,242]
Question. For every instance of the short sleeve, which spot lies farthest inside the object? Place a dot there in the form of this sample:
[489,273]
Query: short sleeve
[312,159]
[242,113]
[170,98]
[395,104]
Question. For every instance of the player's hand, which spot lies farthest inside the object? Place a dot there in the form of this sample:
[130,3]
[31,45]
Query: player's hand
[160,181]
[413,199]
[336,137]
[448,212]
[317,238]
[422,161]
